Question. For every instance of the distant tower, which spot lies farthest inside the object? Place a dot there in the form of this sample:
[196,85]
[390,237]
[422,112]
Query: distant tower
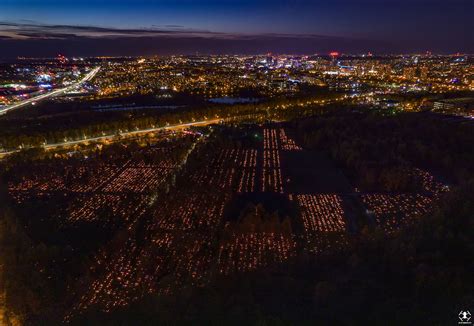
[269,59]
[62,59]
[334,56]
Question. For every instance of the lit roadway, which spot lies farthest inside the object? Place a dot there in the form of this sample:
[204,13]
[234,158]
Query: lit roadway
[140,131]
[124,134]
[41,97]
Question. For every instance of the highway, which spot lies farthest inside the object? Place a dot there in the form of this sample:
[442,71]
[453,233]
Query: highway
[41,97]
[123,134]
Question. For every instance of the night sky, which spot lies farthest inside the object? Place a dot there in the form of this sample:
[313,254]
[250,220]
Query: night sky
[147,27]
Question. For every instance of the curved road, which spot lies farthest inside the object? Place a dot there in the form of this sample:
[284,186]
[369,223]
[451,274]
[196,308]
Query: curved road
[41,97]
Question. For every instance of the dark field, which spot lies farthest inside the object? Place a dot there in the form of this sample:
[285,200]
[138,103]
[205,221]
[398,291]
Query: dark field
[312,172]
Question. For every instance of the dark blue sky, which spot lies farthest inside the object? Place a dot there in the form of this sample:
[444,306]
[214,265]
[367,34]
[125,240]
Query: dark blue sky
[30,27]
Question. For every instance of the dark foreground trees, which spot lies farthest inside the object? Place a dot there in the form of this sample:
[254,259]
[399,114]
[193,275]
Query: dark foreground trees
[33,277]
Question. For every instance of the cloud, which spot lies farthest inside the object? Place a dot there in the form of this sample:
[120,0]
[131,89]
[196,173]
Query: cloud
[27,38]
[45,36]
[34,30]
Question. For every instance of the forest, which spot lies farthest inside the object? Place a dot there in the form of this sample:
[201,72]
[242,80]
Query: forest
[50,130]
